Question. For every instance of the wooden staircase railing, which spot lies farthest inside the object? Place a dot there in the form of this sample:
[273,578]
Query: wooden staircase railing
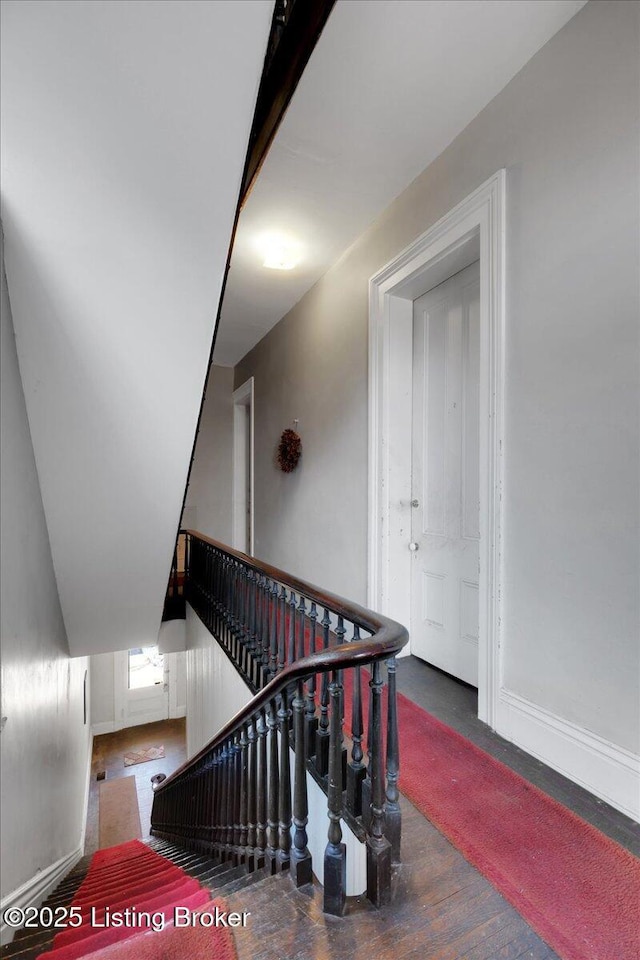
[301,650]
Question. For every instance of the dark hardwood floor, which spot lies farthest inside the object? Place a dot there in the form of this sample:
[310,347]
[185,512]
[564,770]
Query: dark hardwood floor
[443,908]
[456,704]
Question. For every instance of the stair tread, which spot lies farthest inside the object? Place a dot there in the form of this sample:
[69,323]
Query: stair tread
[240,883]
[30,938]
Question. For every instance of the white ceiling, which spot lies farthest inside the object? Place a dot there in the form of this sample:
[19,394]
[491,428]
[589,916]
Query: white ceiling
[124,130]
[389,86]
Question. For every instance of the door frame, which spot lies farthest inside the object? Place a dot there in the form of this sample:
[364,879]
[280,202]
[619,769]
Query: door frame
[243,398]
[475,226]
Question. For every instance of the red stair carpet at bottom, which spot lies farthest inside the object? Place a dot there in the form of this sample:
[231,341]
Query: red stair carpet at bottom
[128,883]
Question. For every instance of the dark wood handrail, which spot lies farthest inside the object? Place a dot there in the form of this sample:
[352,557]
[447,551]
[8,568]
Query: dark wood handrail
[388,639]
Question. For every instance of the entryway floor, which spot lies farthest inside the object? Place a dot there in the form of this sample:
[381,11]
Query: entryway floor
[108,755]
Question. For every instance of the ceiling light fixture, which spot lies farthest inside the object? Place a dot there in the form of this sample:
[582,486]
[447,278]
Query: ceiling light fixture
[279,251]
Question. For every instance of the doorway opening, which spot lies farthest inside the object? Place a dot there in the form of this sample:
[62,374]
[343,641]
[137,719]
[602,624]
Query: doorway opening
[243,431]
[472,231]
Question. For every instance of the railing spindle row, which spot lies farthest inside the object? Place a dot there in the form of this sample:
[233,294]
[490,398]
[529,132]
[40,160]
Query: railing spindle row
[236,799]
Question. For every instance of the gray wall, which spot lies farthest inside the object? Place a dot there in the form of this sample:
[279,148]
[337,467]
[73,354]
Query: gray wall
[208,504]
[566,130]
[45,744]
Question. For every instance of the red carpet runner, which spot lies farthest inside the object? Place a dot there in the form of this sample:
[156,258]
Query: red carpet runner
[127,904]
[577,888]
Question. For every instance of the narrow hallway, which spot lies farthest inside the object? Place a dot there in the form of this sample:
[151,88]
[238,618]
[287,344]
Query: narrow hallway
[108,756]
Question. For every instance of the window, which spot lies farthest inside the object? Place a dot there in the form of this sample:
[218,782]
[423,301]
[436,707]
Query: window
[146,667]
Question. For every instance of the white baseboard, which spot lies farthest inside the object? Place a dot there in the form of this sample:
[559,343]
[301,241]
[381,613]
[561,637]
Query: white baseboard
[105,726]
[606,770]
[37,889]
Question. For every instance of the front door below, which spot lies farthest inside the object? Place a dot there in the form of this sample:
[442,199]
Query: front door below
[147,687]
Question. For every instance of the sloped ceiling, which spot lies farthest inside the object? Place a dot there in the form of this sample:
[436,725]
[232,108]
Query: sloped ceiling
[124,132]
[390,84]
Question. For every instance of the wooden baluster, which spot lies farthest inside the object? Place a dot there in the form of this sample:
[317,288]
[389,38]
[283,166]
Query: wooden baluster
[231,797]
[310,720]
[237,800]
[284,809]
[255,630]
[251,788]
[223,805]
[241,626]
[300,856]
[378,847]
[249,646]
[225,602]
[229,605]
[264,665]
[302,627]
[274,788]
[322,733]
[232,599]
[198,816]
[261,792]
[257,669]
[217,794]
[244,787]
[282,629]
[212,557]
[291,646]
[335,856]
[237,600]
[186,828]
[299,652]
[273,629]
[393,815]
[366,783]
[356,769]
[246,630]
[209,786]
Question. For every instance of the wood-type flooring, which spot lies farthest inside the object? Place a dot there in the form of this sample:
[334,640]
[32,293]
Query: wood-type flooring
[443,908]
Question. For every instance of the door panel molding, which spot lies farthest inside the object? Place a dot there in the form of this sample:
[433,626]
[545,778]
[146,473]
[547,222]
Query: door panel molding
[476,225]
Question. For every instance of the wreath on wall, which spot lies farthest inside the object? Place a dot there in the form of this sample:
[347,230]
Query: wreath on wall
[289,450]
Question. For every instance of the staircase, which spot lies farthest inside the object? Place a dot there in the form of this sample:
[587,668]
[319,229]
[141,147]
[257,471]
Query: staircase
[30,943]
[314,662]
[236,814]
[155,878]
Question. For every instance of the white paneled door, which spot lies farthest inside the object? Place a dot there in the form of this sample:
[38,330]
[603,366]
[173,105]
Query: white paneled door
[445,475]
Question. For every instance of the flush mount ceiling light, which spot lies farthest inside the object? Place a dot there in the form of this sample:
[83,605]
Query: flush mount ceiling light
[279,251]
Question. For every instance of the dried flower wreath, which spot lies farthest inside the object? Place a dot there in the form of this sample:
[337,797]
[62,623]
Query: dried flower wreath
[289,450]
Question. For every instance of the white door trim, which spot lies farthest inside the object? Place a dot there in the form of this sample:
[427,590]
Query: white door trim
[243,397]
[391,292]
